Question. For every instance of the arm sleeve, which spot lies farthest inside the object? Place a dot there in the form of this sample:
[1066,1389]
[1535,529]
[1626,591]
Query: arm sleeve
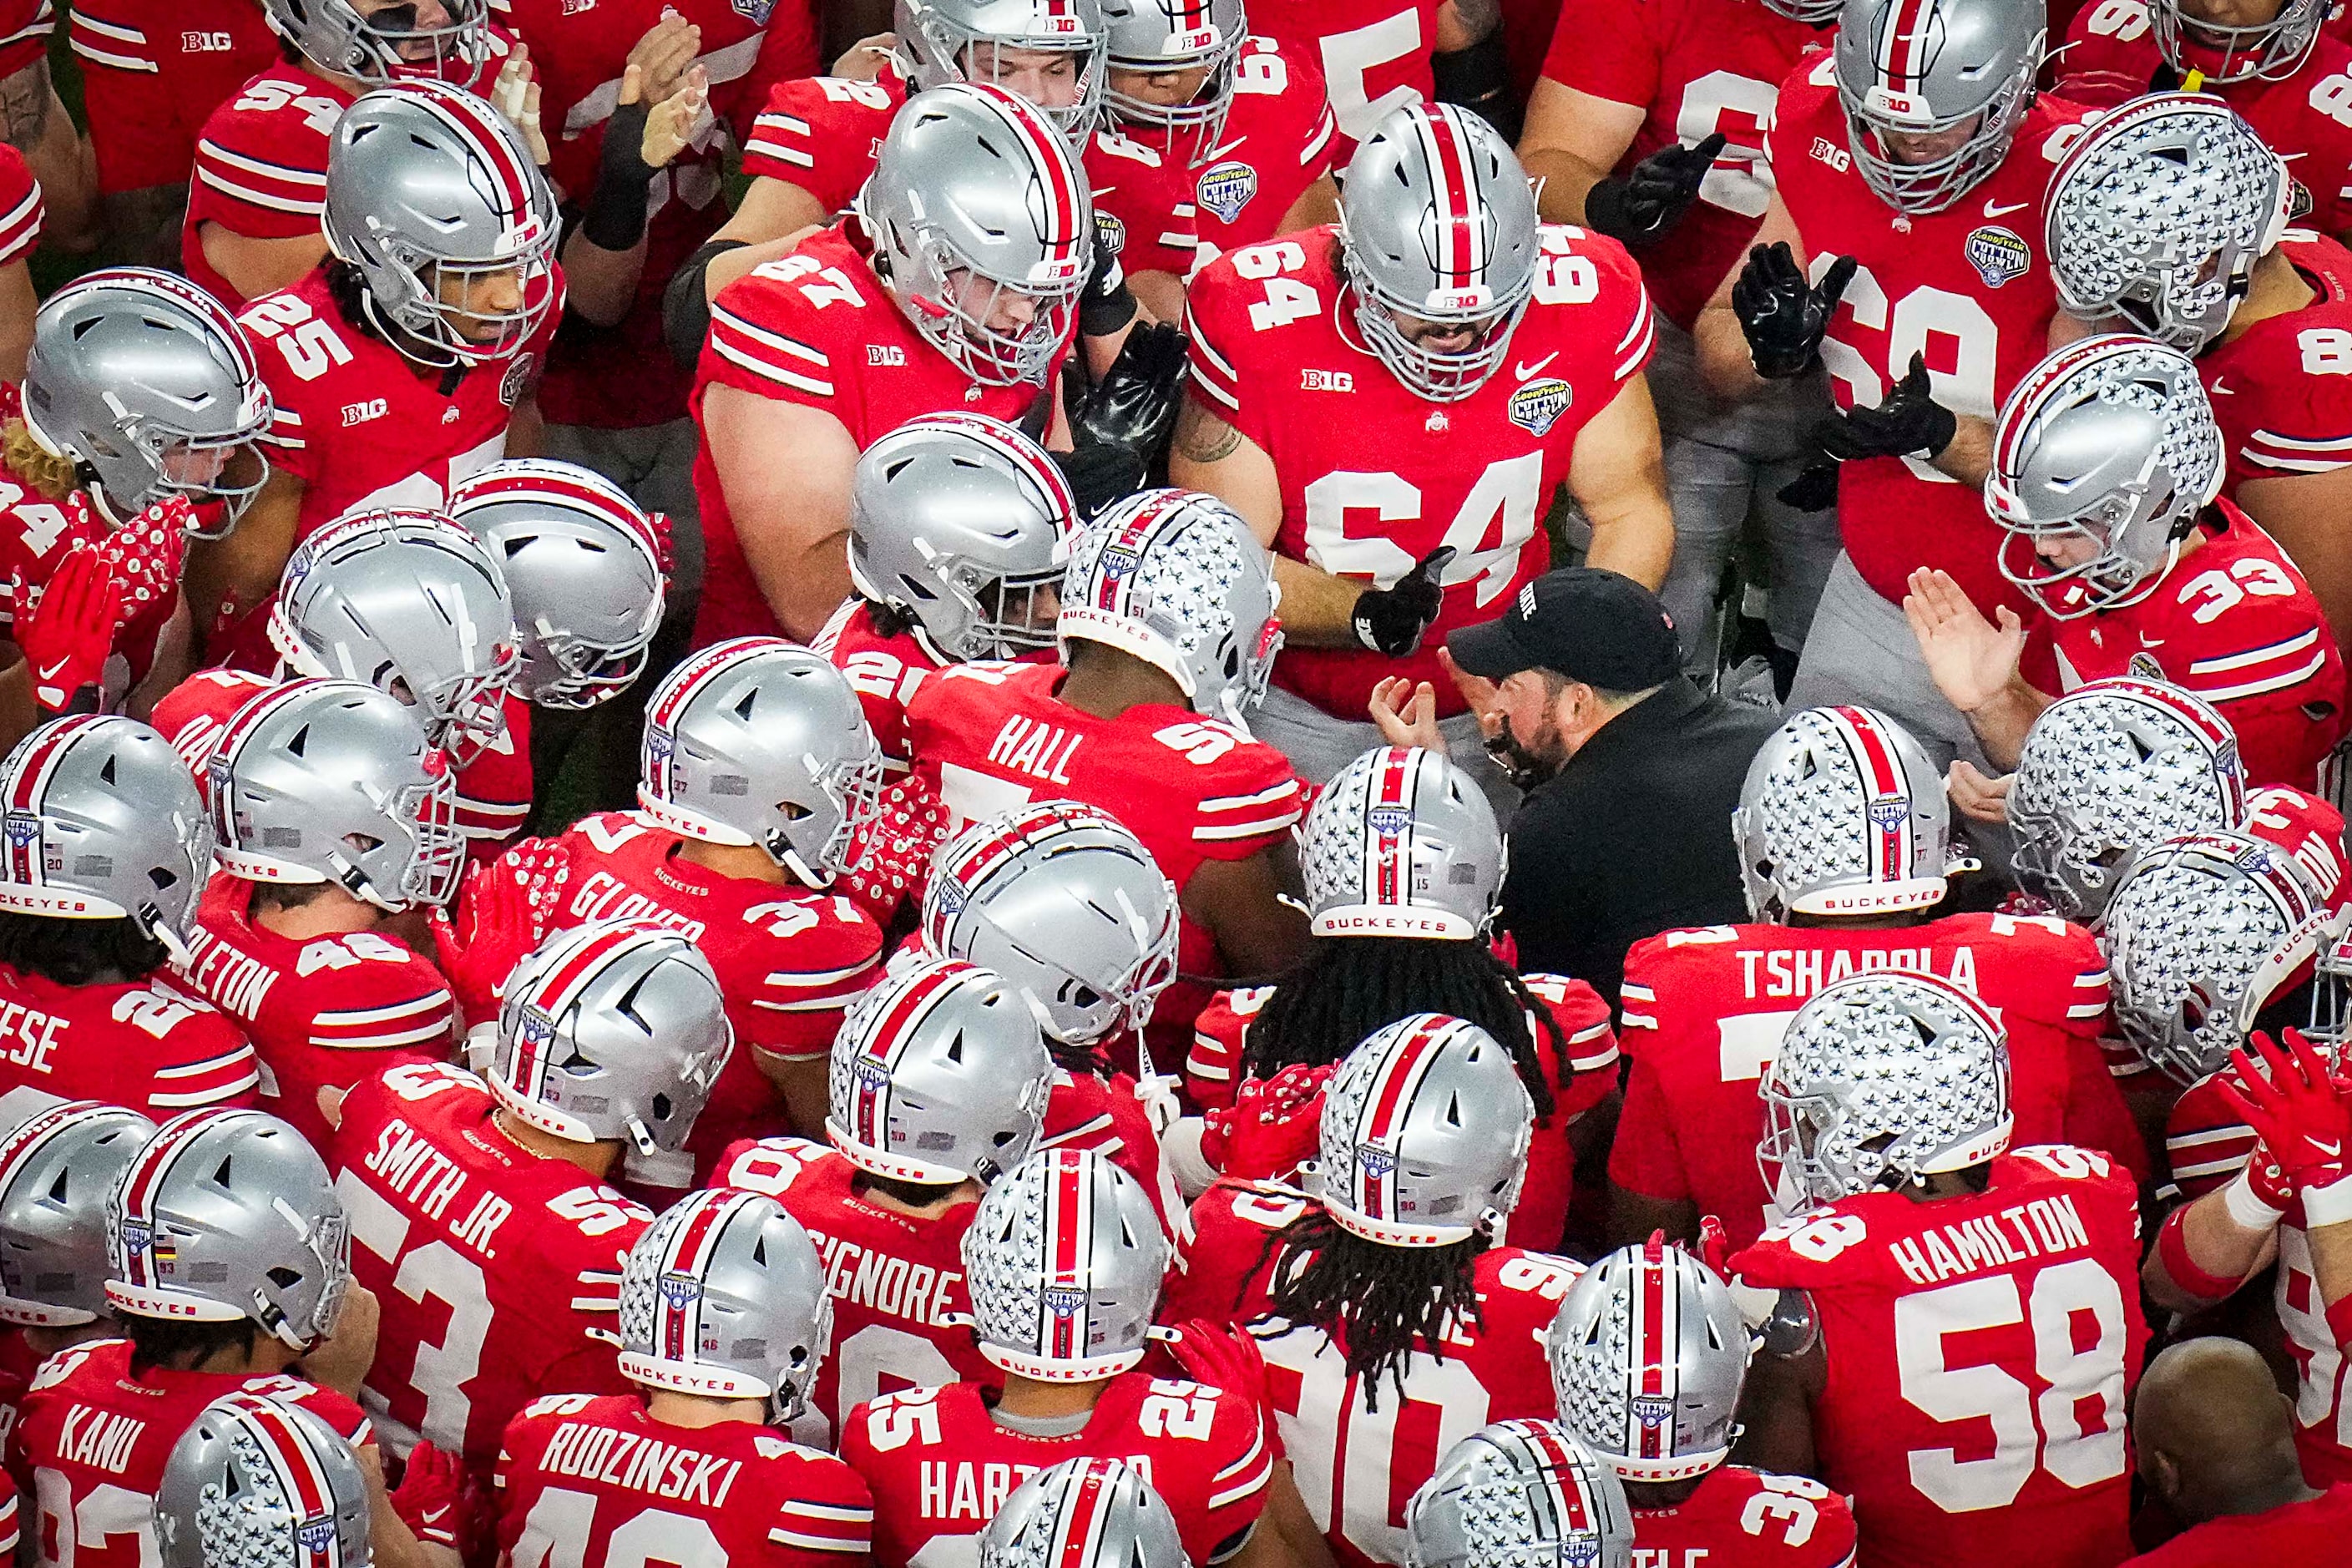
[207,1063]
[1644,1157]
[829,1515]
[810,977]
[818,134]
[20,208]
[260,173]
[760,343]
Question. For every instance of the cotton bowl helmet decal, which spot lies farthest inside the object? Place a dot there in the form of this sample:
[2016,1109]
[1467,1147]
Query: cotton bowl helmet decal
[723,1297]
[1402,843]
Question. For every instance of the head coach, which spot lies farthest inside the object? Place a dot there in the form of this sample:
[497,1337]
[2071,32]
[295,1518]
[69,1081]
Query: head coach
[1630,770]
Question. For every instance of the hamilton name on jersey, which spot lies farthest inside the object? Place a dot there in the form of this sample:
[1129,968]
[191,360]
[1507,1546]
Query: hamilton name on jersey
[595,1452]
[2037,1228]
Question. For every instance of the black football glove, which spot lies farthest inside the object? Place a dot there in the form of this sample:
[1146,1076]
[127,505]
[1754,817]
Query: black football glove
[1815,489]
[1653,196]
[1135,404]
[1782,314]
[1108,304]
[1391,620]
[1099,475]
[1910,422]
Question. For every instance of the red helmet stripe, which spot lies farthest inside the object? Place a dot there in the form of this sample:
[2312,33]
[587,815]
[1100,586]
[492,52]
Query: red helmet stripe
[147,1171]
[1391,1096]
[1903,42]
[1085,1515]
[1651,1334]
[688,1254]
[1049,155]
[1461,237]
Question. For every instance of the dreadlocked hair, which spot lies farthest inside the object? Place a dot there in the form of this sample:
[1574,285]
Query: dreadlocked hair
[347,291]
[78,953]
[1382,1302]
[44,470]
[1348,988]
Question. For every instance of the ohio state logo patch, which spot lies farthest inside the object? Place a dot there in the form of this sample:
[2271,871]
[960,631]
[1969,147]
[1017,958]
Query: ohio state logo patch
[1227,188]
[1997,254]
[1537,406]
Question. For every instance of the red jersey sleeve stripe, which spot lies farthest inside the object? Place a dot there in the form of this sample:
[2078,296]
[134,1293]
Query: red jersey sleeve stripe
[207,1083]
[2290,662]
[280,187]
[1645,328]
[109,43]
[1324,128]
[44,20]
[20,226]
[1220,832]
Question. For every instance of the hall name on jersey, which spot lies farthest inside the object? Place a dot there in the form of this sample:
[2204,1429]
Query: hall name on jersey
[103,1439]
[886,1283]
[2036,1229]
[640,1464]
[414,1169]
[966,1489]
[1034,747]
[1798,974]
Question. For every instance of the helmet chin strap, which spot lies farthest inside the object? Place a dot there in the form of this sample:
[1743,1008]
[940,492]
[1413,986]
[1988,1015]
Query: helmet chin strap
[643,1139]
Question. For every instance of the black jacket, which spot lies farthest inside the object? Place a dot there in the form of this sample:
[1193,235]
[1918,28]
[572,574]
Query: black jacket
[1632,835]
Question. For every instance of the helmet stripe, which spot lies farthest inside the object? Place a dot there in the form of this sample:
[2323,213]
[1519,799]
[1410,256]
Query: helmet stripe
[1654,1308]
[1135,536]
[1461,238]
[1085,1516]
[1882,778]
[37,762]
[1050,156]
[677,1321]
[475,121]
[299,1470]
[1569,1510]
[1069,1220]
[147,1173]
[886,1042]
[1386,1104]
[1903,41]
[686,683]
[1393,787]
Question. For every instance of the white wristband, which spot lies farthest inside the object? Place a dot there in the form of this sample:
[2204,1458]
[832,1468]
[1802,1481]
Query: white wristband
[2328,1205]
[2246,1207]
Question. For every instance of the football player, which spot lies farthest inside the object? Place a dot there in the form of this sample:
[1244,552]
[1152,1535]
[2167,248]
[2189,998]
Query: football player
[1520,1490]
[37,124]
[331,814]
[1064,1261]
[2262,306]
[759,775]
[2106,473]
[1403,864]
[1845,849]
[1909,165]
[21,215]
[1924,1237]
[1168,632]
[938,1085]
[724,1321]
[398,363]
[1377,57]
[956,288]
[1648,1356]
[1085,1513]
[960,528]
[610,1039]
[139,421]
[251,224]
[228,1273]
[107,852]
[1648,126]
[1290,425]
[1386,1293]
[255,1477]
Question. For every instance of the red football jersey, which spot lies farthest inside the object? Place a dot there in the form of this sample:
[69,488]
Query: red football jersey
[910,822]
[2323,1401]
[817,328]
[20,205]
[1213,1071]
[2307,1532]
[1276,142]
[478,1319]
[1704,1010]
[91,1440]
[1981,1351]
[149,1044]
[900,1307]
[1356,1466]
[152,71]
[790,960]
[1274,340]
[261,166]
[1965,286]
[1374,55]
[322,1013]
[939,1465]
[1694,68]
[24,27]
[598,1483]
[1741,1518]
[2282,389]
[2235,623]
[2110,56]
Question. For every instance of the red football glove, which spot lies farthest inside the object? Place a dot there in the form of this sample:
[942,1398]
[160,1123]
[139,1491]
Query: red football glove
[1227,1358]
[1272,1127]
[1714,1246]
[431,1496]
[68,633]
[2288,1097]
[504,910]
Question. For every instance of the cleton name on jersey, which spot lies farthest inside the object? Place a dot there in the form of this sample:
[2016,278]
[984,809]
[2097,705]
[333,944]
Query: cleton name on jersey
[234,983]
[1795,976]
[100,1438]
[885,1284]
[639,1463]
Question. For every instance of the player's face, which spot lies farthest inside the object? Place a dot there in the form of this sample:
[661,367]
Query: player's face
[2233,12]
[2065,552]
[1443,337]
[407,17]
[999,310]
[1927,146]
[1046,78]
[1167,88]
[480,305]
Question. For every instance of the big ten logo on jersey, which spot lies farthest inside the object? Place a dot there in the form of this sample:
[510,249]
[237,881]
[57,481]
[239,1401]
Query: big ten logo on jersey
[195,43]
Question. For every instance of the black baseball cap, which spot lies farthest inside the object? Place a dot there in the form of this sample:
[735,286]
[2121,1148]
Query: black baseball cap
[1590,624]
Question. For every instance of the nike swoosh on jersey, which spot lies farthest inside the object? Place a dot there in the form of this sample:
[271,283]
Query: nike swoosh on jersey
[2221,389]
[2003,209]
[1213,153]
[1523,371]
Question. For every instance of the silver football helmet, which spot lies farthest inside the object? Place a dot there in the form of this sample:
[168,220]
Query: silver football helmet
[1401,842]
[1441,229]
[963,524]
[758,741]
[724,1297]
[1065,1259]
[1065,904]
[977,207]
[1843,814]
[56,1173]
[2157,214]
[2202,933]
[1518,1494]
[329,781]
[2269,51]
[1084,1513]
[1882,1077]
[409,602]
[149,382]
[1425,1134]
[963,40]
[1176,579]
[255,1483]
[387,45]
[2108,770]
[225,1215]
[611,1031]
[432,196]
[1152,36]
[585,568]
[2108,451]
[104,822]
[1952,74]
[938,1076]
[1648,1353]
